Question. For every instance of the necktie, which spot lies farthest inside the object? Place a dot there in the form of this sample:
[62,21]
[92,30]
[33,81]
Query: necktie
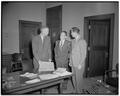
[61,45]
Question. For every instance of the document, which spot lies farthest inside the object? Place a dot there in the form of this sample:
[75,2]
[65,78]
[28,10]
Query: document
[48,76]
[61,72]
[46,66]
[29,75]
[32,81]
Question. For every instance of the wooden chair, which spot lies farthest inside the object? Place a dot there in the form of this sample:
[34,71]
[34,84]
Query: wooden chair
[6,63]
[16,64]
[112,80]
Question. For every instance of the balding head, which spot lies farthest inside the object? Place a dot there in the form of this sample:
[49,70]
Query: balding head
[44,30]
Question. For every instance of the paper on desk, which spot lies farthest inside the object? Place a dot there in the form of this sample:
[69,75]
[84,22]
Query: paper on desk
[62,73]
[33,81]
[29,75]
[46,66]
[48,76]
[60,70]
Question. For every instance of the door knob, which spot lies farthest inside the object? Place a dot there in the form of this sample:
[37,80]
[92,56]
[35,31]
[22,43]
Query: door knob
[106,54]
[22,51]
[88,48]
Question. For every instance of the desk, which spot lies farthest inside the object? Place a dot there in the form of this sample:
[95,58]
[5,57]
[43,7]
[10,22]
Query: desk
[27,88]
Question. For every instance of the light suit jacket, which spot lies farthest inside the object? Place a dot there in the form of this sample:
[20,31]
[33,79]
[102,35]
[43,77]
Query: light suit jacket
[41,51]
[78,54]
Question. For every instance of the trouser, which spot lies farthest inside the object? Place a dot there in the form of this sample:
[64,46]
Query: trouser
[78,78]
[36,65]
[62,65]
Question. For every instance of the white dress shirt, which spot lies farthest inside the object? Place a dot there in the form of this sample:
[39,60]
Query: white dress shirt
[62,43]
[42,38]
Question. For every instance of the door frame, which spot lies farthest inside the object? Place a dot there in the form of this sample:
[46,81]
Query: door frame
[86,36]
[20,26]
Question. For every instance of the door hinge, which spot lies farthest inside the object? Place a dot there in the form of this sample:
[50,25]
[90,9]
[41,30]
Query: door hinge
[22,51]
[88,48]
[88,69]
[106,54]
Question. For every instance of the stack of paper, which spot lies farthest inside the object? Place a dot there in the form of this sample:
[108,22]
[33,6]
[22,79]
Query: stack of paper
[46,66]
[48,76]
[33,81]
[61,72]
[29,75]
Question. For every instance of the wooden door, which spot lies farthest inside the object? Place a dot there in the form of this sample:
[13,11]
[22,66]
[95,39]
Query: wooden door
[54,22]
[98,47]
[99,36]
[28,29]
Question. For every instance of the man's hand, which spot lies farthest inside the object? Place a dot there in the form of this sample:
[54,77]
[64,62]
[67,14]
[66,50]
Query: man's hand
[79,66]
[50,60]
[70,64]
[39,61]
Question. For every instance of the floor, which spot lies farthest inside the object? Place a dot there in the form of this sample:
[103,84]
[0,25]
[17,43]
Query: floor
[69,90]
[53,90]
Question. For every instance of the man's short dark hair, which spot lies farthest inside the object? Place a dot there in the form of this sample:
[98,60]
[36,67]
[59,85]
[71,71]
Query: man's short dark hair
[75,29]
[44,27]
[39,29]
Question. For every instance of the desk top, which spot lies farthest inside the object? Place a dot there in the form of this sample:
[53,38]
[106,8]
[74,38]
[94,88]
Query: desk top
[22,85]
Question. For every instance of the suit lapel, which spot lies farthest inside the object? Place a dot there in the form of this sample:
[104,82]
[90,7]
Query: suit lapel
[59,46]
[64,45]
[44,40]
[40,42]
[40,39]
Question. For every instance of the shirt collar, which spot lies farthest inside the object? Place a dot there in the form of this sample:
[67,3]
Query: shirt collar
[78,37]
[62,41]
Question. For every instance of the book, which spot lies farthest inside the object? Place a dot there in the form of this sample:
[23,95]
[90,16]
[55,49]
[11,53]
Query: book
[46,66]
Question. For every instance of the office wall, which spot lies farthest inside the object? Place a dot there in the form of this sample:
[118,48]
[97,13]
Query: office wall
[73,15]
[11,14]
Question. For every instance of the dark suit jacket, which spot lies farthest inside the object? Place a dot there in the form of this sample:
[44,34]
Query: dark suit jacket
[62,56]
[41,51]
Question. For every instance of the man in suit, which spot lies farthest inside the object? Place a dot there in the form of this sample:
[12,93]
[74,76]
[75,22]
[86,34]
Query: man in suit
[62,54]
[77,58]
[41,47]
[62,51]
